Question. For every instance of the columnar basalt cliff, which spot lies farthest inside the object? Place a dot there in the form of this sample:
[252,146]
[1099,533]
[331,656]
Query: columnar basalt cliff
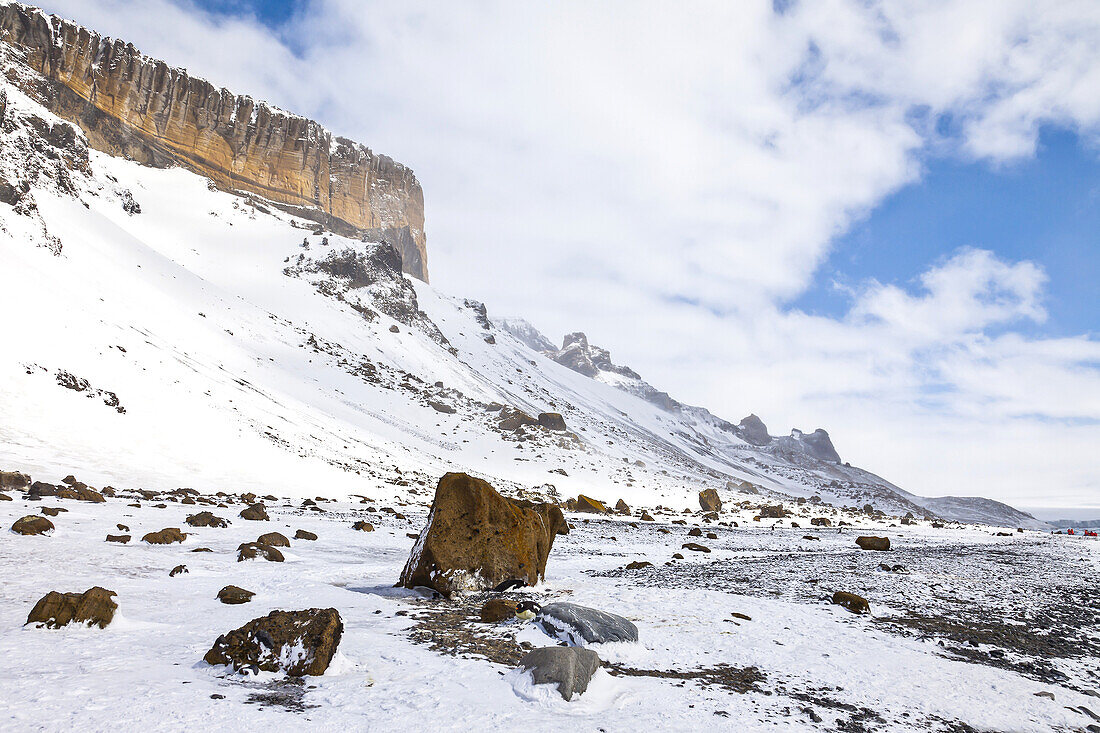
[131,105]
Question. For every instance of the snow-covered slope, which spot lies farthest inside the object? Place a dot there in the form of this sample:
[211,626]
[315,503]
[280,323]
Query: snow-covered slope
[160,331]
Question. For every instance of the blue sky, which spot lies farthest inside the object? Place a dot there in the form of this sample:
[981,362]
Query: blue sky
[874,216]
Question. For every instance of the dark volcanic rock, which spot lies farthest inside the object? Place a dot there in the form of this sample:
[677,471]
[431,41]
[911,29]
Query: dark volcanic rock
[298,643]
[32,524]
[94,607]
[752,430]
[570,668]
[475,538]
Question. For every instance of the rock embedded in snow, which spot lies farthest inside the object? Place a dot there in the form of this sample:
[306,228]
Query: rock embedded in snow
[363,526]
[304,535]
[14,480]
[252,550]
[121,539]
[475,538]
[709,500]
[206,519]
[298,643]
[512,419]
[94,607]
[166,536]
[273,539]
[52,511]
[622,507]
[32,524]
[576,624]
[255,512]
[231,595]
[570,668]
[441,407]
[178,570]
[873,543]
[496,610]
[852,602]
[695,547]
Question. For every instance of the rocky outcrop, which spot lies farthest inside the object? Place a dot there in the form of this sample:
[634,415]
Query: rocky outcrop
[476,539]
[134,106]
[298,643]
[815,445]
[753,430]
[94,607]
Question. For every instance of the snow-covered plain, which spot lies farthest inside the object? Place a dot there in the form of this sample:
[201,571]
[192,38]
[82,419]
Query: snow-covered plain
[853,672]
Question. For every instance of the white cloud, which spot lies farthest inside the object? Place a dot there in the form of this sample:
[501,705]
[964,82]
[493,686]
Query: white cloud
[668,179]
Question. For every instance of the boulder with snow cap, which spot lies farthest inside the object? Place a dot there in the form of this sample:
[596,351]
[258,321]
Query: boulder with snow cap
[298,643]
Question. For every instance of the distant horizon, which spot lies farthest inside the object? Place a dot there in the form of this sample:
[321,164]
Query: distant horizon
[1047,514]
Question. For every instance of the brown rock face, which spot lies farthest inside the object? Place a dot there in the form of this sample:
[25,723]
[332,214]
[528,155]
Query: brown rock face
[32,524]
[267,643]
[552,421]
[252,550]
[709,501]
[588,504]
[14,480]
[873,543]
[134,106]
[256,512]
[476,539]
[94,607]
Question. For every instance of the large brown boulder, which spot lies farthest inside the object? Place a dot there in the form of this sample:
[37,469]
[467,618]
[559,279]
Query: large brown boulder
[231,595]
[709,501]
[588,504]
[476,539]
[273,539]
[166,536]
[852,602]
[94,607]
[32,524]
[252,550]
[773,512]
[512,419]
[873,543]
[298,643]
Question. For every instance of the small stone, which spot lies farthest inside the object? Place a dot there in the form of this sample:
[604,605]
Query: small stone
[363,526]
[178,570]
[122,539]
[695,547]
[231,595]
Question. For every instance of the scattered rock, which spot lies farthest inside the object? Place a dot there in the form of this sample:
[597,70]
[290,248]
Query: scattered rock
[773,512]
[576,624]
[14,480]
[821,522]
[231,595]
[677,556]
[852,602]
[873,543]
[741,616]
[304,535]
[178,570]
[52,511]
[122,539]
[646,517]
[122,527]
[166,536]
[252,550]
[512,419]
[93,607]
[570,668]
[298,643]
[202,549]
[695,532]
[207,519]
[4,497]
[709,501]
[621,507]
[638,565]
[256,513]
[441,407]
[363,526]
[694,547]
[476,538]
[552,421]
[496,610]
[590,505]
[711,536]
[273,539]
[32,524]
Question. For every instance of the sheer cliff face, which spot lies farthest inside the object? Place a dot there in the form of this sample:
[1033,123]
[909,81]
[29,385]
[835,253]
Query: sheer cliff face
[132,105]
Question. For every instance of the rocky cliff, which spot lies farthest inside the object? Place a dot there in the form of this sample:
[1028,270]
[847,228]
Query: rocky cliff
[131,105]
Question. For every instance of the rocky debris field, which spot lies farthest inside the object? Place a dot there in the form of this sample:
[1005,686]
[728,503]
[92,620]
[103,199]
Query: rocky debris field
[260,611]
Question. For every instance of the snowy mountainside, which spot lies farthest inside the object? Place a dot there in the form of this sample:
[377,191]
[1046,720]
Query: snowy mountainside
[166,332]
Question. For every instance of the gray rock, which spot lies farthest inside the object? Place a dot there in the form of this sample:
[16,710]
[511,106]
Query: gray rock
[574,623]
[568,666]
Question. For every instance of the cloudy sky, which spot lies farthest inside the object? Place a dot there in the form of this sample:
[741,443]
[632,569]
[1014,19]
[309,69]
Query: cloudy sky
[879,218]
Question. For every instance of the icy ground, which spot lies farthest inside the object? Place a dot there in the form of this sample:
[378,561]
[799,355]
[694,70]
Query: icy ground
[409,661]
